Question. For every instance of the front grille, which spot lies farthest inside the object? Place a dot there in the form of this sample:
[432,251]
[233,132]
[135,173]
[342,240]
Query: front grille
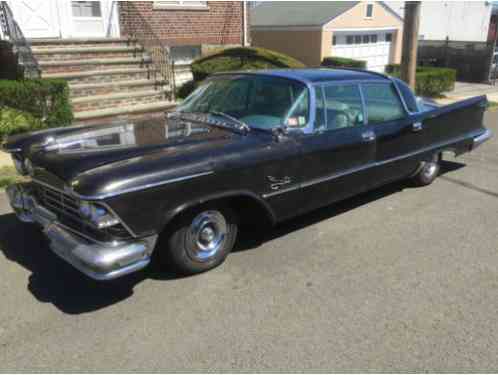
[66,207]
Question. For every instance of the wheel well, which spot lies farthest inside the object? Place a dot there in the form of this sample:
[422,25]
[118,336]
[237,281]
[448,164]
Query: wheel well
[249,210]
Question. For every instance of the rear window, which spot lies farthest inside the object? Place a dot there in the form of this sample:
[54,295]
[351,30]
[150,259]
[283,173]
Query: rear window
[407,95]
[383,103]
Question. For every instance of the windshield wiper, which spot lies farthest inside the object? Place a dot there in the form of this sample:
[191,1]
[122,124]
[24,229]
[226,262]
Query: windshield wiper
[243,126]
[194,116]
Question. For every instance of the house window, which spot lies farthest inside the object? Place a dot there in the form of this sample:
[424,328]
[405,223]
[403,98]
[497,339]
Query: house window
[370,9]
[187,4]
[366,39]
[185,54]
[357,39]
[349,39]
[373,38]
[389,37]
[86,9]
[334,40]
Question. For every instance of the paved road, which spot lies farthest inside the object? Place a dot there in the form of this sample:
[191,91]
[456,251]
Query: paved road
[399,279]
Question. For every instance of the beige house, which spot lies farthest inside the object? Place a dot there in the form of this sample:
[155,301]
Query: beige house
[312,30]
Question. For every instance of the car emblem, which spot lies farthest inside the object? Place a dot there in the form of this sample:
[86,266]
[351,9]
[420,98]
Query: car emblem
[277,183]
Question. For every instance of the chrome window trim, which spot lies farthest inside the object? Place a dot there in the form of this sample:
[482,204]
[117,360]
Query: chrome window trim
[402,98]
[318,180]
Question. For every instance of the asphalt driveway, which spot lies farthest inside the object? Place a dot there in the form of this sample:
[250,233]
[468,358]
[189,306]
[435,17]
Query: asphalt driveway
[398,279]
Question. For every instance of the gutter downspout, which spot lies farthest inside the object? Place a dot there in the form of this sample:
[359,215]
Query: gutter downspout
[244,30]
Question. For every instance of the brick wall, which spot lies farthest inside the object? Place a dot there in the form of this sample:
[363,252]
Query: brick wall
[219,24]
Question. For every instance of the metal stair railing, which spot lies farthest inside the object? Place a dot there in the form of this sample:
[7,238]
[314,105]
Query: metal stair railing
[141,33]
[13,33]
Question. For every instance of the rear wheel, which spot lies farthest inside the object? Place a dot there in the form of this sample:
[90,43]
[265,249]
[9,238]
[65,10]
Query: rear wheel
[202,239]
[428,171]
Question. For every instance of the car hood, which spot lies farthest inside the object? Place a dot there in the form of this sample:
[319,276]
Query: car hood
[67,152]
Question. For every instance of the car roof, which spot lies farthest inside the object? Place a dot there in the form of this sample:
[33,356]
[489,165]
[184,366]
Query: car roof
[316,74]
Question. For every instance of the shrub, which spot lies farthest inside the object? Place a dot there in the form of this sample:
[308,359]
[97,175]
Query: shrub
[430,81]
[45,99]
[241,58]
[13,122]
[343,62]
[184,90]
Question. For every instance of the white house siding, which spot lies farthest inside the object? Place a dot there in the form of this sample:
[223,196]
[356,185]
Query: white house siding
[466,21]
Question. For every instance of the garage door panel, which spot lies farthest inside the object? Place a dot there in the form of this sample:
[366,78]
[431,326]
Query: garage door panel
[375,54]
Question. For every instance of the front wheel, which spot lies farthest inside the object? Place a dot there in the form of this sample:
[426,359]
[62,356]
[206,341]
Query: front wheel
[428,171]
[201,240]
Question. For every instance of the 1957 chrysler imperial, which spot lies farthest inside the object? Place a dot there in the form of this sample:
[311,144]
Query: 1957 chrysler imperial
[255,147]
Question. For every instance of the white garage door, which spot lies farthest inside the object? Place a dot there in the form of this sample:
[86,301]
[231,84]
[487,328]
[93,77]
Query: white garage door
[374,47]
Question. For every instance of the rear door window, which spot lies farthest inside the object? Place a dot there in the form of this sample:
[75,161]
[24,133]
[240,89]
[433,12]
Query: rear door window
[382,103]
[343,106]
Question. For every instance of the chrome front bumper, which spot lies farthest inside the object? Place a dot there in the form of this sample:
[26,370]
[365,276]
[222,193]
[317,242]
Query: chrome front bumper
[480,139]
[100,261]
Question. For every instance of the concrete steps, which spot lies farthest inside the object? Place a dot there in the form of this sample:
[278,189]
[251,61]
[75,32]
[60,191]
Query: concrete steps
[92,89]
[86,103]
[84,53]
[100,76]
[107,76]
[95,115]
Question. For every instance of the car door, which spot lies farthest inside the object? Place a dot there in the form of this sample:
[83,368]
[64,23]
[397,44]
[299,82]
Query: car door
[338,153]
[397,132]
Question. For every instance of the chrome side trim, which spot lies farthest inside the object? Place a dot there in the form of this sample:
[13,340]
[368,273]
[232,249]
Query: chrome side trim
[11,150]
[376,164]
[141,187]
[480,139]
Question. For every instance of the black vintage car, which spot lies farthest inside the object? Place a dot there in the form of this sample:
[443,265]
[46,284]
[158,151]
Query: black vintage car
[244,147]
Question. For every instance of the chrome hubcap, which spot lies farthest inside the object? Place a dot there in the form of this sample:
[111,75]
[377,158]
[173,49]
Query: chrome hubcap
[206,235]
[429,169]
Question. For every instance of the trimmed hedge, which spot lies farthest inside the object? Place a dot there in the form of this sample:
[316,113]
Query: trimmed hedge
[430,81]
[241,58]
[343,62]
[13,122]
[44,99]
[184,90]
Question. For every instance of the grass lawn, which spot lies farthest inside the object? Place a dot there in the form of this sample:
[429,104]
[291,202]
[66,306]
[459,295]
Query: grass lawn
[492,105]
[9,175]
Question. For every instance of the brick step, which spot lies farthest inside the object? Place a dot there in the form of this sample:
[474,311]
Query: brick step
[103,88]
[84,53]
[152,107]
[117,99]
[80,42]
[92,64]
[101,76]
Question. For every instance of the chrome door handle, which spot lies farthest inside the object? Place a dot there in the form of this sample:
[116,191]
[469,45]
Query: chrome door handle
[368,136]
[417,126]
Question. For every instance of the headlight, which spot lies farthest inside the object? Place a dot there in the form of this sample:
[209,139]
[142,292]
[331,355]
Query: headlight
[98,215]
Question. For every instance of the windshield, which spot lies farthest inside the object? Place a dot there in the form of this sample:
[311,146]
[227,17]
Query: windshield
[259,101]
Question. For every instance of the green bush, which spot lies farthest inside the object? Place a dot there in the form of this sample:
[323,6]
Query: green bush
[45,99]
[241,58]
[13,122]
[430,81]
[343,62]
[184,90]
